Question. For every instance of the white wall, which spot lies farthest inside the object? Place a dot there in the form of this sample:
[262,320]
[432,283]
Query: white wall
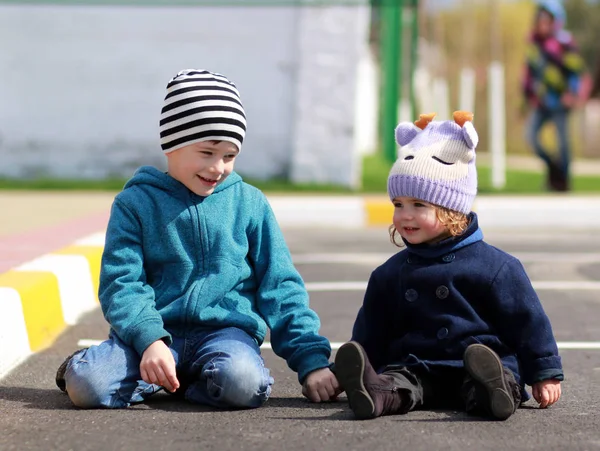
[332,40]
[81,87]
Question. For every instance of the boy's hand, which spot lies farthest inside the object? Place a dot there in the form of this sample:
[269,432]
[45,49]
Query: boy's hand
[321,385]
[158,366]
[547,392]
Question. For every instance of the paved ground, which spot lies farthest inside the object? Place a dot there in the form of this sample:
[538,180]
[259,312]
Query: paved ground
[37,416]
[37,222]
[34,210]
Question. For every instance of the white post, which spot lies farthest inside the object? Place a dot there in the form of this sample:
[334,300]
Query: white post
[497,123]
[441,98]
[467,90]
[366,104]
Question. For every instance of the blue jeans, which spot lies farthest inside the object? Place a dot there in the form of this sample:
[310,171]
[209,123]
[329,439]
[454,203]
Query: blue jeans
[221,368]
[560,117]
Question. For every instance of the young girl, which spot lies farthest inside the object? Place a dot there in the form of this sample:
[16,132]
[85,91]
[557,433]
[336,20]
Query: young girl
[450,320]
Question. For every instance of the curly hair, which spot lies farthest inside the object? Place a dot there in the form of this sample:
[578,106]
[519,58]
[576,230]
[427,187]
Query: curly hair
[455,222]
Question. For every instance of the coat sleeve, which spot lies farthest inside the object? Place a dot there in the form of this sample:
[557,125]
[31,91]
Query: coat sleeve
[126,298]
[523,325]
[372,326]
[282,297]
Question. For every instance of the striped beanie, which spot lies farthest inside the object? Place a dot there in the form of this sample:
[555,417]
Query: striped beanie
[201,106]
[436,162]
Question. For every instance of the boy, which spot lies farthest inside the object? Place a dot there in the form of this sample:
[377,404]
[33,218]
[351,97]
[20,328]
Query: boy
[194,271]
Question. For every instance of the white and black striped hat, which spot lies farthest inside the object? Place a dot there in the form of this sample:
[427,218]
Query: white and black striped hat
[201,106]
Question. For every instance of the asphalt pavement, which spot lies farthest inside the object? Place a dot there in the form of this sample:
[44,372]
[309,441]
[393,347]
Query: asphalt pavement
[335,263]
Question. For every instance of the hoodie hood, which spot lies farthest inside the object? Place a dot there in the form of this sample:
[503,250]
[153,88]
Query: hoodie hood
[149,175]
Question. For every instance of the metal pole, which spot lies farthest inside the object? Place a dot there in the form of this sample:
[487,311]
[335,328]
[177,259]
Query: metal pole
[391,20]
[414,56]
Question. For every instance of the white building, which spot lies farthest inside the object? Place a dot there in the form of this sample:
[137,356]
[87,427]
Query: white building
[82,85]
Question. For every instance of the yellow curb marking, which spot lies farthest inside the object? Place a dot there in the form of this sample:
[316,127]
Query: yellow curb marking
[379,212]
[40,299]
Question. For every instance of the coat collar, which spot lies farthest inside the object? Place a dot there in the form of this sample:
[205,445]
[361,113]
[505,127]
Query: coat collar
[430,251]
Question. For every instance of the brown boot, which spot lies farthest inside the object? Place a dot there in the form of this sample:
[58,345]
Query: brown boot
[484,365]
[370,394]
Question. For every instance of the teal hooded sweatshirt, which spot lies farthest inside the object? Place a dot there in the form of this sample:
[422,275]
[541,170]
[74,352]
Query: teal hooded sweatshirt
[175,262]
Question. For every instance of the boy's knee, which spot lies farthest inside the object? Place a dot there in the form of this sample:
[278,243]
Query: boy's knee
[241,381]
[86,387]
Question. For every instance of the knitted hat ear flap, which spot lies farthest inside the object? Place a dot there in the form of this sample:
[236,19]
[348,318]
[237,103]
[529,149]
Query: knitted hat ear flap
[465,120]
[470,135]
[406,132]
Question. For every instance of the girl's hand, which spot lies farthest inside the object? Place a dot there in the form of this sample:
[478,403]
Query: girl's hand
[547,392]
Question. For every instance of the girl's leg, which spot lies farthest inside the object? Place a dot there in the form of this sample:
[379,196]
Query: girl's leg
[489,389]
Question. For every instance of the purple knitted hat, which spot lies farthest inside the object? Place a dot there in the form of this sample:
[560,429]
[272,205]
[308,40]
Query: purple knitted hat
[436,162]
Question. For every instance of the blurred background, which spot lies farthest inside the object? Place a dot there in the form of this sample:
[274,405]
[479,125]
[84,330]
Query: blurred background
[324,83]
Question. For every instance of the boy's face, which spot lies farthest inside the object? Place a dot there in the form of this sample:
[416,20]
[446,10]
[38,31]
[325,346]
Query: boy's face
[202,166]
[416,221]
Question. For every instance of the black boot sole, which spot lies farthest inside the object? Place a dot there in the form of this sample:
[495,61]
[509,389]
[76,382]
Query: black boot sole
[350,369]
[60,373]
[486,368]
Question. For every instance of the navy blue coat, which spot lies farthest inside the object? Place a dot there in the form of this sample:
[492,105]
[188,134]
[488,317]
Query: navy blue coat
[426,304]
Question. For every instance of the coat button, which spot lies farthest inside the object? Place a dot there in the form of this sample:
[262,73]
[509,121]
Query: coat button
[409,260]
[442,292]
[448,258]
[411,295]
[442,333]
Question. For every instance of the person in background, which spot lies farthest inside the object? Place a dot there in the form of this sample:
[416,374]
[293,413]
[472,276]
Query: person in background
[552,87]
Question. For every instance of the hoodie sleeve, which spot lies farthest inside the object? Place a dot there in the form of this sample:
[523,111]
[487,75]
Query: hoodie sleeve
[127,300]
[523,325]
[282,297]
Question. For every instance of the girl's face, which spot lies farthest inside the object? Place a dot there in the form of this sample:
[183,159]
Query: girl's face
[416,221]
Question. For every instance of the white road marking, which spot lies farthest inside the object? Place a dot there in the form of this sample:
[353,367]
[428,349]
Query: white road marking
[377,258]
[579,344]
[97,239]
[565,285]
[381,257]
[336,286]
[335,345]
